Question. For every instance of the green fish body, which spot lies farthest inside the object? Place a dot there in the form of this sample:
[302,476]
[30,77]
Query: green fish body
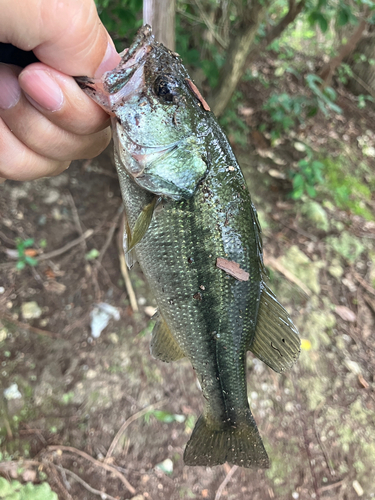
[193,229]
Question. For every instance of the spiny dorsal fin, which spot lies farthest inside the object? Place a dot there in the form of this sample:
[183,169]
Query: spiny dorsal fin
[163,345]
[258,237]
[276,341]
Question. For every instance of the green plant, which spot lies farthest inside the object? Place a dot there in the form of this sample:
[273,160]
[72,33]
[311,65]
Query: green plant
[308,175]
[233,125]
[164,416]
[122,18]
[14,490]
[323,99]
[24,255]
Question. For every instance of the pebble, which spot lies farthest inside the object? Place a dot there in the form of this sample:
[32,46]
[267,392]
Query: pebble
[31,310]
[52,196]
[12,392]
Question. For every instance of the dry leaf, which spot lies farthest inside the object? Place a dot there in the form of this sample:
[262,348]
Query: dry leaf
[346,314]
[198,95]
[31,252]
[232,268]
[362,381]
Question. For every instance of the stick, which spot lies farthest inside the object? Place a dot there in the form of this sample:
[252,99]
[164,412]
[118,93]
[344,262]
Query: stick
[127,422]
[79,480]
[225,482]
[70,449]
[277,266]
[110,234]
[65,248]
[26,326]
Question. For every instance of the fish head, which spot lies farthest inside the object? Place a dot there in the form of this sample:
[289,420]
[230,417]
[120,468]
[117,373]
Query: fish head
[158,117]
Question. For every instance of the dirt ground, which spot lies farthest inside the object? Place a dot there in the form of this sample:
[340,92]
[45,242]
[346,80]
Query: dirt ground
[65,395]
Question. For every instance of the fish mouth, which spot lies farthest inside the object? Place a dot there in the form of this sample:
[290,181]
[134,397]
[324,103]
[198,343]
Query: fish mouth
[121,83]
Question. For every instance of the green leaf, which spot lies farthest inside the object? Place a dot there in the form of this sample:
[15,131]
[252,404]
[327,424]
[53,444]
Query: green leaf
[342,17]
[31,261]
[92,254]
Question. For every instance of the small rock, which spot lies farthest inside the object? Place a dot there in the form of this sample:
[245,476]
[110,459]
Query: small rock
[138,497]
[52,196]
[166,466]
[150,311]
[113,337]
[353,367]
[31,310]
[12,392]
[3,334]
[358,488]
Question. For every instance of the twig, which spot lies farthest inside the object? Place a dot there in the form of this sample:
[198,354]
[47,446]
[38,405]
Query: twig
[225,482]
[65,248]
[277,266]
[83,483]
[210,26]
[110,234]
[76,219]
[331,486]
[363,282]
[127,422]
[5,238]
[125,272]
[26,326]
[105,466]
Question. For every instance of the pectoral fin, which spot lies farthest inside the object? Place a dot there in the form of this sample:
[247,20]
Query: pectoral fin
[130,257]
[163,345]
[276,341]
[142,224]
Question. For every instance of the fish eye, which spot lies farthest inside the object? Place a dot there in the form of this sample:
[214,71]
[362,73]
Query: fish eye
[164,88]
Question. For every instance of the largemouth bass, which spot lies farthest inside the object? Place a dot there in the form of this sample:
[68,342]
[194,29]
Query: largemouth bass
[193,229]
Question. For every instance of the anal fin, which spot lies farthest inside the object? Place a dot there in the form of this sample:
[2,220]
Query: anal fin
[163,345]
[276,341]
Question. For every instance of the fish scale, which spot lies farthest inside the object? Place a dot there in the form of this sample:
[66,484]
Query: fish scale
[189,213]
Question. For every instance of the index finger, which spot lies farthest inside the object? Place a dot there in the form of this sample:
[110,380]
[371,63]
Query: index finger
[64,34]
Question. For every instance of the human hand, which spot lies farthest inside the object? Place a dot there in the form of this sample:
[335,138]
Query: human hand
[46,120]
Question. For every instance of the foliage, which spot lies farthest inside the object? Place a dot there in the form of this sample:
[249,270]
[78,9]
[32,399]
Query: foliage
[286,110]
[236,128]
[122,18]
[309,174]
[14,490]
[164,416]
[348,191]
[24,256]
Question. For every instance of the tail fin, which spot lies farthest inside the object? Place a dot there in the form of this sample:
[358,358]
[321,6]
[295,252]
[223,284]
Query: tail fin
[241,445]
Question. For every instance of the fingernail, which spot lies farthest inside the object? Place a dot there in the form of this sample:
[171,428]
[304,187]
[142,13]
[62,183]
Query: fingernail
[10,91]
[43,89]
[110,60]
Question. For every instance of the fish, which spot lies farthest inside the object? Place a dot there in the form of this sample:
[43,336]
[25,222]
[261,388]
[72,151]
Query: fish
[192,227]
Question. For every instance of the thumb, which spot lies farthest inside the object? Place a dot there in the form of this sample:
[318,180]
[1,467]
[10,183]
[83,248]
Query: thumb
[64,34]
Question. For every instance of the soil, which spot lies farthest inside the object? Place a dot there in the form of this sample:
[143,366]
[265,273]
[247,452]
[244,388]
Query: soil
[75,392]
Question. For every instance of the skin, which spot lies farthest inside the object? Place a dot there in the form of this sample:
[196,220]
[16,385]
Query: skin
[47,121]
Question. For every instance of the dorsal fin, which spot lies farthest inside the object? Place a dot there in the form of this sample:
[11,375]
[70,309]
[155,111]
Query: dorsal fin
[276,341]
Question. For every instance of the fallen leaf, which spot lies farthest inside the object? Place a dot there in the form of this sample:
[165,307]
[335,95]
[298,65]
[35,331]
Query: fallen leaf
[204,493]
[346,314]
[31,252]
[198,95]
[232,268]
[362,381]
